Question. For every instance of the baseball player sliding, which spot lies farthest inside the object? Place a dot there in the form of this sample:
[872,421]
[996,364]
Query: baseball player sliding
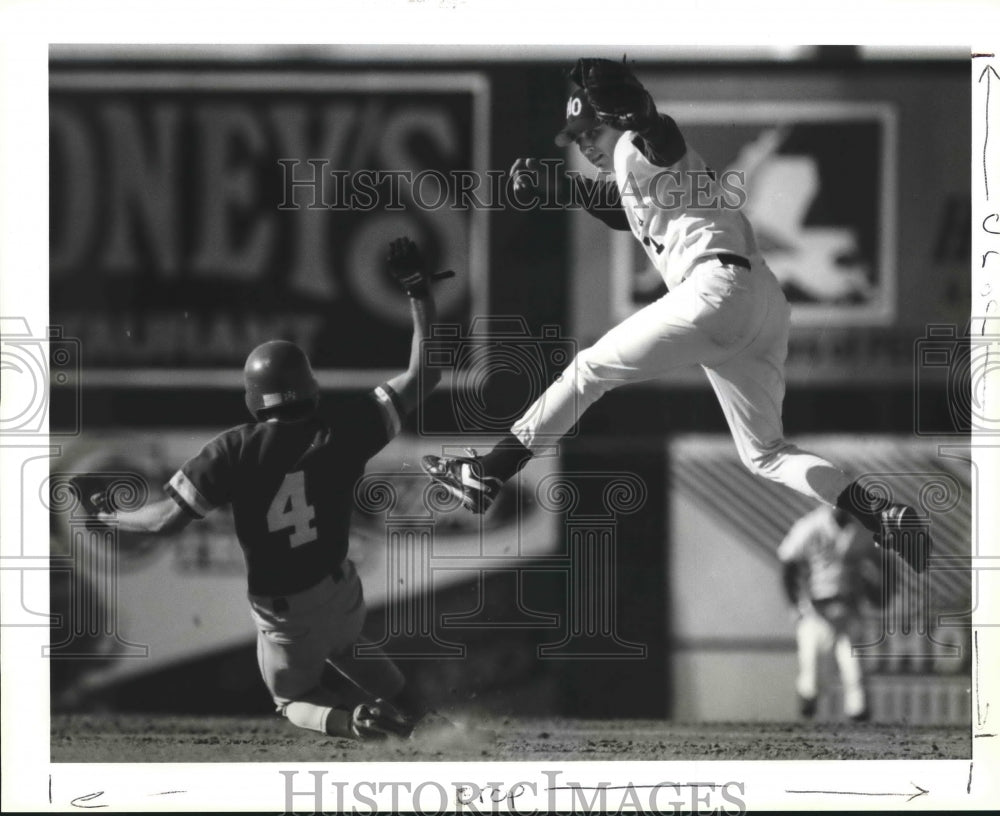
[724,310]
[289,476]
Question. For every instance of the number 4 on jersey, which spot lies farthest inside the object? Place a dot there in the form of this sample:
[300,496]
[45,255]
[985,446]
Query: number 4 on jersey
[289,508]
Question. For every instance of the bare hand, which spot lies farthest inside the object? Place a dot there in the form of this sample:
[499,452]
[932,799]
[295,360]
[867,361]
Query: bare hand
[530,174]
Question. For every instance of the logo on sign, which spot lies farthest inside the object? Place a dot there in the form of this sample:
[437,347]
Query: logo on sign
[820,193]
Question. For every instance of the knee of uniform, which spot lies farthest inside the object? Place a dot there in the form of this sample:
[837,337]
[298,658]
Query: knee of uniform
[763,459]
[588,373]
[285,689]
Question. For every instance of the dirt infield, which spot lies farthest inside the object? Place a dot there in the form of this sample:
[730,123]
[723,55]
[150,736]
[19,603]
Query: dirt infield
[138,738]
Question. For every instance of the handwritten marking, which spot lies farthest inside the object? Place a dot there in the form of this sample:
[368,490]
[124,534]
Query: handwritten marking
[977,55]
[991,217]
[986,366]
[968,787]
[88,798]
[986,136]
[50,789]
[987,255]
[981,714]
[920,792]
[980,736]
[979,704]
[81,801]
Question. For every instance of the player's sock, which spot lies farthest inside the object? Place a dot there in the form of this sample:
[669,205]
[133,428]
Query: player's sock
[506,459]
[326,719]
[338,723]
[864,505]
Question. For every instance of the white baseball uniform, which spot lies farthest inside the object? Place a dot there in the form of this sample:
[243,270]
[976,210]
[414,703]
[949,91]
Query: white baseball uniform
[724,311]
[829,595]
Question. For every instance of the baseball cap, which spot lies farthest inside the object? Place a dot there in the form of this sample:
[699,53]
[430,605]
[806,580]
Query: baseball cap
[580,116]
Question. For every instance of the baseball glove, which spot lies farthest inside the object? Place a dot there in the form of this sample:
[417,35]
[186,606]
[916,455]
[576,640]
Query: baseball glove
[406,265]
[613,91]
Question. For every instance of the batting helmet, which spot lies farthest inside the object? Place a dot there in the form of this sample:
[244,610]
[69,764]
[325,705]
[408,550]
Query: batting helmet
[277,373]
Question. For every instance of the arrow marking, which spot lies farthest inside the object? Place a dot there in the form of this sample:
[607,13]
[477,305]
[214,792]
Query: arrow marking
[986,137]
[910,796]
[982,714]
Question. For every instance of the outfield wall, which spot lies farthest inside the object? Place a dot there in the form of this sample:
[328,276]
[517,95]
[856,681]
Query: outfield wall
[732,632]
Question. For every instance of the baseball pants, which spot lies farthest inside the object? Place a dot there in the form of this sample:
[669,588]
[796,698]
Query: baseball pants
[315,627]
[820,632]
[731,321]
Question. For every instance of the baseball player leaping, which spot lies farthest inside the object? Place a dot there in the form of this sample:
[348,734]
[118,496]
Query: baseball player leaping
[289,476]
[724,310]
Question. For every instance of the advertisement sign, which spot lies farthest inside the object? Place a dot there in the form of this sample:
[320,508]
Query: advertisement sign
[197,214]
[819,181]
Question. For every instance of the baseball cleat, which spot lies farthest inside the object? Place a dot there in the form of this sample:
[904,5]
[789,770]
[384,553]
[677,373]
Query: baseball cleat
[460,476]
[904,534]
[378,721]
[864,715]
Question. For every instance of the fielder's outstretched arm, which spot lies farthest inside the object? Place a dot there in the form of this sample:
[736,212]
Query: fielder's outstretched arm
[600,197]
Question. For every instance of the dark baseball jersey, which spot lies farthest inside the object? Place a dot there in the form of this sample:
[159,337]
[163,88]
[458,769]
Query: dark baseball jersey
[291,487]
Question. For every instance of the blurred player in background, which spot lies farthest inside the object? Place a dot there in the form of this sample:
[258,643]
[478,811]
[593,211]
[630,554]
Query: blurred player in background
[828,570]
[724,310]
[290,477]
